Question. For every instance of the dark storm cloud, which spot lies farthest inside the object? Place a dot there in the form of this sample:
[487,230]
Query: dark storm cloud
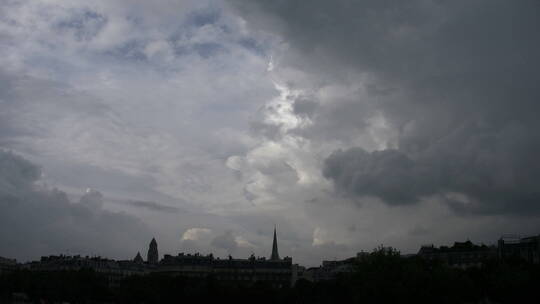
[457,81]
[387,174]
[487,183]
[38,221]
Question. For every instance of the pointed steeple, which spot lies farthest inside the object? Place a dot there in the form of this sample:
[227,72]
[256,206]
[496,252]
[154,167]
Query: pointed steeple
[275,254]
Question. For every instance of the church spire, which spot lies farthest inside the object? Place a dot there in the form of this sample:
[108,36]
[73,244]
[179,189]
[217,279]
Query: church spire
[275,254]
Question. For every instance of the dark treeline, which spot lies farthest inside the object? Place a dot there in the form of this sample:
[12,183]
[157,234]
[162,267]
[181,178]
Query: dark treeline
[382,276]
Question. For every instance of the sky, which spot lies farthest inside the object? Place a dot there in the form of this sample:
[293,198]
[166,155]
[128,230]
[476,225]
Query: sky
[204,123]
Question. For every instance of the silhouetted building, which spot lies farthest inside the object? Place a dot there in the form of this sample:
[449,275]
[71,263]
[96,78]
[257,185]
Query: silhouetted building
[275,271]
[461,254]
[331,269]
[234,271]
[153,256]
[275,253]
[7,265]
[138,259]
[527,248]
[113,270]
[299,273]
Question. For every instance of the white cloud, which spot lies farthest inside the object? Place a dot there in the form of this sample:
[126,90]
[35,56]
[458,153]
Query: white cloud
[241,242]
[319,237]
[196,234]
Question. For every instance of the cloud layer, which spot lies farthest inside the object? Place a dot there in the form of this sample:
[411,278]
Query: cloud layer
[455,84]
[35,220]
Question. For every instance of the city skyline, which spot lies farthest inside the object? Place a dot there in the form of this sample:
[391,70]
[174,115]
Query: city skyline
[507,246]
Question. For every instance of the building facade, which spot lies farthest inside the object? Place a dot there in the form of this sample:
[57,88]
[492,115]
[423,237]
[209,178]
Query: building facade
[233,271]
[461,254]
[8,265]
[274,271]
[527,248]
[113,270]
[331,269]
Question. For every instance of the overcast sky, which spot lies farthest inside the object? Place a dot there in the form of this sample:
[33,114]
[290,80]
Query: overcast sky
[204,123]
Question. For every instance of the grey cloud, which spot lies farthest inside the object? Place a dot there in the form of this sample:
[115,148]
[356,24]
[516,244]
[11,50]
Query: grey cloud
[388,174]
[418,231]
[153,206]
[405,38]
[344,119]
[266,130]
[486,175]
[209,49]
[92,199]
[305,107]
[16,173]
[191,246]
[457,82]
[38,221]
[131,50]
[331,247]
[248,195]
[42,101]
[204,16]
[225,241]
[253,45]
[84,25]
